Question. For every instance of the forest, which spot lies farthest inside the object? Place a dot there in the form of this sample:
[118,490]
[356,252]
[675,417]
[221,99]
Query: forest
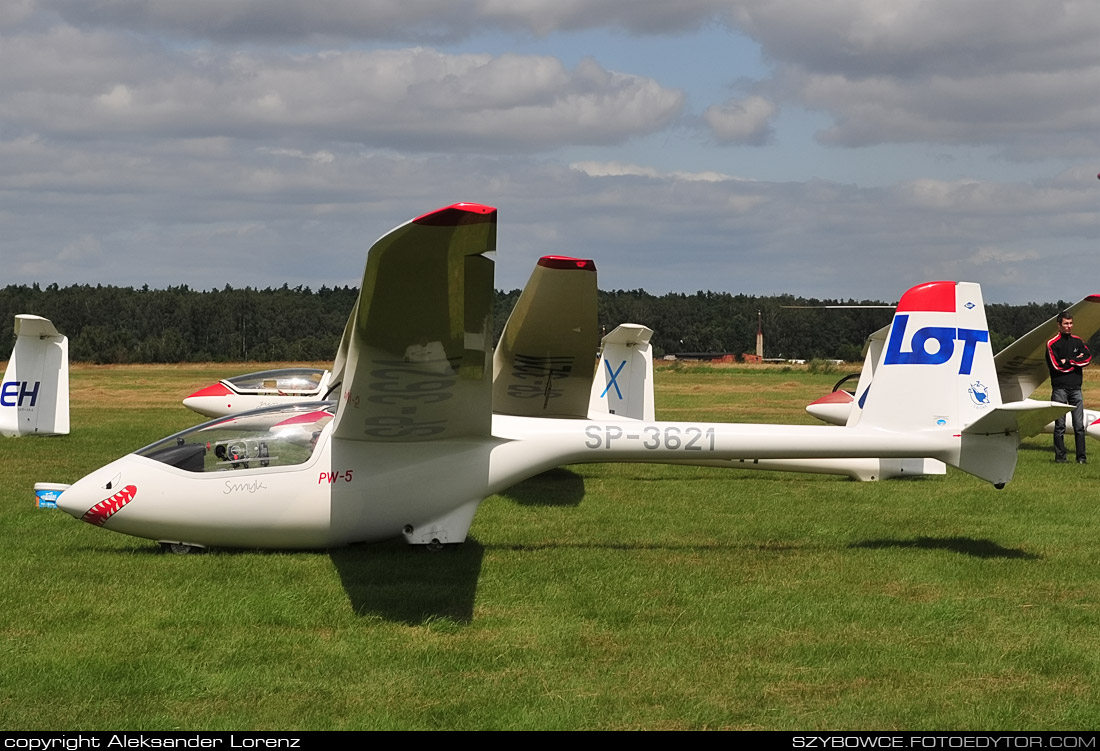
[108,324]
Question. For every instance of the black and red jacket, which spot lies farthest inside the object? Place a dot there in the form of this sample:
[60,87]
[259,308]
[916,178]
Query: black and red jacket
[1066,356]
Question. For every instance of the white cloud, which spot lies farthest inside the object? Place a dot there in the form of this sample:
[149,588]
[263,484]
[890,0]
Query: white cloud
[417,99]
[1010,73]
[266,216]
[83,252]
[622,169]
[745,121]
[1013,74]
[263,141]
[396,20]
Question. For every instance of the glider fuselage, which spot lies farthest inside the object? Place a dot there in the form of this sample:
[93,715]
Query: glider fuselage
[358,491]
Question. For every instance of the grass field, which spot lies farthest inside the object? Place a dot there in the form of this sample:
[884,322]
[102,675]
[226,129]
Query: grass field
[591,597]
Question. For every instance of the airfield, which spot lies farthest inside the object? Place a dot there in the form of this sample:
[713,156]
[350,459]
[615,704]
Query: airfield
[590,597]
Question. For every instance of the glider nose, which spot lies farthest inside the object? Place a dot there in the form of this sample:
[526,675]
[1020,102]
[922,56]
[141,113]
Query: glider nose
[212,401]
[71,504]
[1092,429]
[832,408]
[93,503]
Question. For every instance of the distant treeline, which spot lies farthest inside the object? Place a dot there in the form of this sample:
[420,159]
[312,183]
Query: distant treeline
[179,324]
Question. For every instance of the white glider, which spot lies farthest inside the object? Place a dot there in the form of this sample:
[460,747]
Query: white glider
[267,388]
[412,446]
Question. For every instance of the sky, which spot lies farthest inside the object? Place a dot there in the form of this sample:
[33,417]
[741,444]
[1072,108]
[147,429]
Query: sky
[834,149]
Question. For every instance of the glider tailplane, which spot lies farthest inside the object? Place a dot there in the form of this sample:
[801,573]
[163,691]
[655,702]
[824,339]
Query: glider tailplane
[623,386]
[543,363]
[936,372]
[34,398]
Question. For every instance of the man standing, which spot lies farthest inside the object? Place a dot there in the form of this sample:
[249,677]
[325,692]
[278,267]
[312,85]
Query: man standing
[1067,355]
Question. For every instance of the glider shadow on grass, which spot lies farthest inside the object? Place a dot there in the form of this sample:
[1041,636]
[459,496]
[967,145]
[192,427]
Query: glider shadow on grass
[964,545]
[410,586]
[555,487]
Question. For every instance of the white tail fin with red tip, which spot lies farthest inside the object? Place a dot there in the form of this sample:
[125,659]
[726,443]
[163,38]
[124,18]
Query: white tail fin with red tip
[936,372]
[936,369]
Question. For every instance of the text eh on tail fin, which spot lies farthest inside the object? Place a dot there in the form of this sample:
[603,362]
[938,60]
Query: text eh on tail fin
[34,395]
[623,386]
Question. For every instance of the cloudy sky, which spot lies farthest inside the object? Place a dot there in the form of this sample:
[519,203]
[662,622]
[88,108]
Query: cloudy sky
[826,148]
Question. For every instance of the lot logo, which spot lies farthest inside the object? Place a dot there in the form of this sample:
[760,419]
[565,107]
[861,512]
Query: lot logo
[19,393]
[944,338]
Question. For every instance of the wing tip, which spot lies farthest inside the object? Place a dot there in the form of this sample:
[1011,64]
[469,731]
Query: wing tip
[565,262]
[458,213]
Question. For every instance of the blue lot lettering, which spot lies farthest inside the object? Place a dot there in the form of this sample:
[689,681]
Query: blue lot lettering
[14,393]
[944,336]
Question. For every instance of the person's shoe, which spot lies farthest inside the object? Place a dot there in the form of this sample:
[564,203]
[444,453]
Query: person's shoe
[1060,461]
[1082,460]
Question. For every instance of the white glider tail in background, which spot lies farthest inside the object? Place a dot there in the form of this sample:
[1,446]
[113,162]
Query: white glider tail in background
[34,396]
[412,447]
[623,383]
[1021,369]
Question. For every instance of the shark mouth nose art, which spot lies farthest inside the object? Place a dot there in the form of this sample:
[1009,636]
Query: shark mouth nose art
[104,510]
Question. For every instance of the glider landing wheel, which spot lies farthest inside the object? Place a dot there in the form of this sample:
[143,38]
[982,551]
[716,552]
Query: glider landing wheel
[180,548]
[435,545]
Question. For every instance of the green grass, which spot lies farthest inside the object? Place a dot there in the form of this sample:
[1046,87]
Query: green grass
[602,596]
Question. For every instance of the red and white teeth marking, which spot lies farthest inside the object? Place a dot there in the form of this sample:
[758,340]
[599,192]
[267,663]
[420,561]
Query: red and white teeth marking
[104,510]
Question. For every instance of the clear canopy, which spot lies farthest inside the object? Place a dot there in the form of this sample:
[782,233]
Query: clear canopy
[271,437]
[291,381]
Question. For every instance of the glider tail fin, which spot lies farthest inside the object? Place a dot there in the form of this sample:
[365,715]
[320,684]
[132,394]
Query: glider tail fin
[936,372]
[34,396]
[623,385]
[542,366]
